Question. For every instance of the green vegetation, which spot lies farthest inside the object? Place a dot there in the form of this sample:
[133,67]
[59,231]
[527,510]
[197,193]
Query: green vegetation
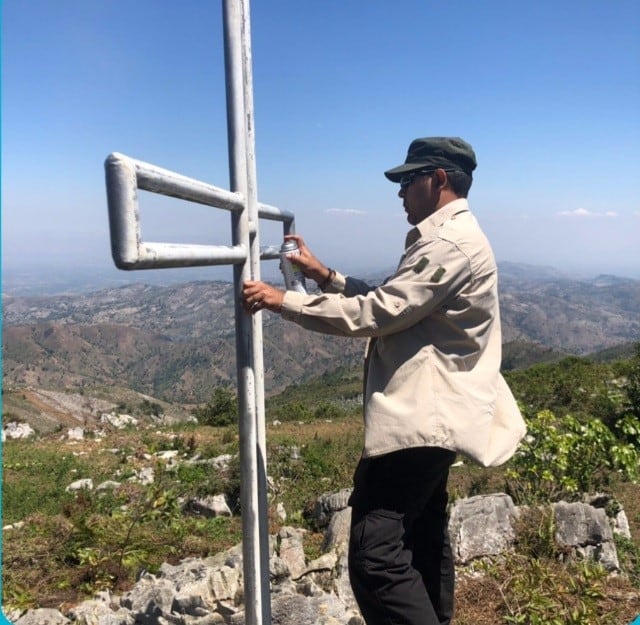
[73,544]
[328,396]
[583,428]
[584,435]
[312,459]
[532,586]
[35,478]
[221,410]
[562,458]
[633,383]
[542,592]
[144,408]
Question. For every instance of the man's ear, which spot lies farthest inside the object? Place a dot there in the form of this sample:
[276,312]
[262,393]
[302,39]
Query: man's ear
[442,180]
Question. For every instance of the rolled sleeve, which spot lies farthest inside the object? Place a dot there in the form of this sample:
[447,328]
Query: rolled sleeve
[337,285]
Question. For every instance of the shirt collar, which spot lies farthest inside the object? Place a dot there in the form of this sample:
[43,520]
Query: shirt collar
[436,220]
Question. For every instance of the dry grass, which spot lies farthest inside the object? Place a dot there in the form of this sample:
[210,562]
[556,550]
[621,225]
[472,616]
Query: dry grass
[487,599]
[38,570]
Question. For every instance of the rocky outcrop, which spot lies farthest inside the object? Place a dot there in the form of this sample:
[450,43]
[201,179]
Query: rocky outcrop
[208,591]
[481,526]
[586,533]
[15,430]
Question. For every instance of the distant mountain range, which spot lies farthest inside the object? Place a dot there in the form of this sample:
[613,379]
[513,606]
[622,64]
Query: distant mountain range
[574,316]
[177,342]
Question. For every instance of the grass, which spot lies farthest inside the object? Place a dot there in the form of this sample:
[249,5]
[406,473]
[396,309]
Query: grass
[532,586]
[520,589]
[72,545]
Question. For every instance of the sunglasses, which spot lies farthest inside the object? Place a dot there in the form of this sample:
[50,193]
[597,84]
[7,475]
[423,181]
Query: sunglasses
[407,179]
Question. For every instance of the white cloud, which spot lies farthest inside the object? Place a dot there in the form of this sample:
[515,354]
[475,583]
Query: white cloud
[578,212]
[584,213]
[345,211]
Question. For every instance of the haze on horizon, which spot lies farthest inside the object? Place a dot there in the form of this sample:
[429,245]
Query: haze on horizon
[545,92]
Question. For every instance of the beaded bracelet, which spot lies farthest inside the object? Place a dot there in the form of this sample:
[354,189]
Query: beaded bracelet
[328,280]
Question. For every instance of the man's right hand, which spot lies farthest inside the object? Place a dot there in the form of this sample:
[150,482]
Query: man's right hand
[311,266]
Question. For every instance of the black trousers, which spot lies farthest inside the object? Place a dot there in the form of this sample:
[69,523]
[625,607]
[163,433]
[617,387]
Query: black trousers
[400,561]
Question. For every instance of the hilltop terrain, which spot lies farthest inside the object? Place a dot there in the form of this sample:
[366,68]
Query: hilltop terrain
[176,343]
[159,353]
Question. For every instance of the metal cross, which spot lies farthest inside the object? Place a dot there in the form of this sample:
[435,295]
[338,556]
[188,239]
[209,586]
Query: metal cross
[124,176]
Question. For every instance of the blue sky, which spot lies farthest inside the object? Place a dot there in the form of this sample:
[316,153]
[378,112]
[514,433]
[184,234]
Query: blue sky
[548,93]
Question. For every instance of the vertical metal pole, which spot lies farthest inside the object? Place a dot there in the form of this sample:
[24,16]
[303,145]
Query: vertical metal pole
[258,361]
[253,600]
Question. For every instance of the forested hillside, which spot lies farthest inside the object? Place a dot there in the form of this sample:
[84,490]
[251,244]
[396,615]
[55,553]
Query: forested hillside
[177,342]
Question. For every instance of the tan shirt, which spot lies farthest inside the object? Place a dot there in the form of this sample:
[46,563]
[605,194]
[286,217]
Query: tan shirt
[432,374]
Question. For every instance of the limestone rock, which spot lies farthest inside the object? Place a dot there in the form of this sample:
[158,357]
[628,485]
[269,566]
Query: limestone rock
[119,421]
[225,583]
[620,524]
[209,591]
[85,484]
[328,504]
[337,540]
[586,531]
[291,551]
[144,476]
[481,526]
[107,485]
[75,434]
[337,534]
[212,506]
[43,616]
[95,612]
[150,600]
[289,609]
[16,430]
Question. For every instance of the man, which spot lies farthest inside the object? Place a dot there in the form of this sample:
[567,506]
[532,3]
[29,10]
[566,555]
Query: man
[432,383]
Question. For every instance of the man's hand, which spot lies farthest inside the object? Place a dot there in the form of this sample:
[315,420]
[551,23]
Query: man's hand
[311,266]
[258,296]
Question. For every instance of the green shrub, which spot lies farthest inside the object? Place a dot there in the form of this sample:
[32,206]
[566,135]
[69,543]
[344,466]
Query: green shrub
[535,588]
[628,429]
[535,533]
[148,408]
[221,410]
[327,410]
[200,480]
[293,411]
[629,556]
[561,458]
[633,383]
[111,542]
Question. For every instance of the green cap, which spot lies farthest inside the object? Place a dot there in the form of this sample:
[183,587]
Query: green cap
[450,153]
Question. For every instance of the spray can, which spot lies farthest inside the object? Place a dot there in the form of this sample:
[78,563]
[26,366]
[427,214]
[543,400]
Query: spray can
[293,276]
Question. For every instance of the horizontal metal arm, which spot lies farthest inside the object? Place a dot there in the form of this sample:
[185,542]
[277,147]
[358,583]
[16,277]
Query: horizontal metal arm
[158,180]
[125,175]
[165,255]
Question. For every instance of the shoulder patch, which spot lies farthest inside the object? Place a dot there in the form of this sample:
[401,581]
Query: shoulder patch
[437,274]
[421,264]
